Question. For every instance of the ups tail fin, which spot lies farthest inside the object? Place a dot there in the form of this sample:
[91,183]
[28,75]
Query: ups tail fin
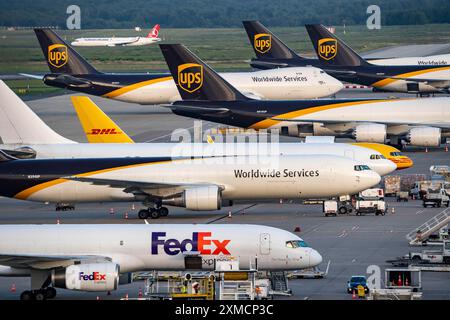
[195,80]
[60,57]
[20,125]
[98,127]
[154,32]
[330,49]
[265,44]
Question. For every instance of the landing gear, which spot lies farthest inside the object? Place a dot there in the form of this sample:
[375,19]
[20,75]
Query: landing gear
[153,213]
[39,295]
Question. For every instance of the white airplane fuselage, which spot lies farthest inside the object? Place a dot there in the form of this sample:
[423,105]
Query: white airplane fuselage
[112,150]
[157,246]
[435,60]
[238,177]
[276,84]
[114,41]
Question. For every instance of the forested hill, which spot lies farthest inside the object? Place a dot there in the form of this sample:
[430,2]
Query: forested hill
[219,13]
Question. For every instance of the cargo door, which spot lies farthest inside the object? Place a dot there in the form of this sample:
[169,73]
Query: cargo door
[264,243]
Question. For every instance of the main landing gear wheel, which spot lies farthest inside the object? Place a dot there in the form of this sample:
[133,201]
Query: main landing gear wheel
[50,293]
[154,213]
[40,295]
[143,214]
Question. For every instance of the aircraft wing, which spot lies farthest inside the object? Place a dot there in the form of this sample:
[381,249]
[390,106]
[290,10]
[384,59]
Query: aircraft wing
[32,76]
[156,189]
[25,261]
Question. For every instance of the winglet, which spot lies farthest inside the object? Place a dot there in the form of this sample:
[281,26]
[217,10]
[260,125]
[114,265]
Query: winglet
[98,127]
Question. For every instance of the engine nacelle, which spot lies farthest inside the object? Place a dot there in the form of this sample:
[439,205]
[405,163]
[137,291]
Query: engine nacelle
[424,137]
[371,132]
[87,277]
[198,199]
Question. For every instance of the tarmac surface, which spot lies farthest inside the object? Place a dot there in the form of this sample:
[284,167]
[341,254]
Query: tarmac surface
[351,243]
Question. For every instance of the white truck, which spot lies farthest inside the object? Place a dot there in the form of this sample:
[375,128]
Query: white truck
[371,201]
[433,256]
[436,198]
[330,208]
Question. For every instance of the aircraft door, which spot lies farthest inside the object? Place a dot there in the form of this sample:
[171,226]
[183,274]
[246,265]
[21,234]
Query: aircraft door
[264,243]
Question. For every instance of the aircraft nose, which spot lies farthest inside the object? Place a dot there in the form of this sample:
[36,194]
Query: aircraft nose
[404,163]
[388,167]
[334,85]
[315,258]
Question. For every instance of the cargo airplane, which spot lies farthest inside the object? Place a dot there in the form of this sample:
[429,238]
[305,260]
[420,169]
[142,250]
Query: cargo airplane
[419,122]
[70,71]
[104,256]
[151,38]
[339,60]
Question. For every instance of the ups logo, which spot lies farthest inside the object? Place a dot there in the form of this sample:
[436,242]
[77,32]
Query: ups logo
[190,76]
[262,42]
[327,48]
[57,55]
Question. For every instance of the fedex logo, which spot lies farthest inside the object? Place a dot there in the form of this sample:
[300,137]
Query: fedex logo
[94,276]
[200,242]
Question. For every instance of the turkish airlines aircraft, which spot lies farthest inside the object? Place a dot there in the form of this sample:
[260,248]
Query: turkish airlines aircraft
[102,256]
[151,38]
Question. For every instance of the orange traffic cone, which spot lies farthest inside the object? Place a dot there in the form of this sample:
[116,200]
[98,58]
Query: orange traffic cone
[297,229]
[399,282]
[111,211]
[406,282]
[393,210]
[13,288]
[354,294]
[140,293]
[229,214]
[133,207]
[446,148]
[426,150]
[126,215]
[281,201]
[57,221]
[126,296]
[98,298]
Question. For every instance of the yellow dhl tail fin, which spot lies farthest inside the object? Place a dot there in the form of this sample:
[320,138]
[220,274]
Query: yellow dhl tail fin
[98,127]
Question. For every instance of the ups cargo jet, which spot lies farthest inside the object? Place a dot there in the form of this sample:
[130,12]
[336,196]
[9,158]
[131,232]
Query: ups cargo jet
[419,122]
[151,38]
[339,60]
[70,71]
[99,258]
[25,135]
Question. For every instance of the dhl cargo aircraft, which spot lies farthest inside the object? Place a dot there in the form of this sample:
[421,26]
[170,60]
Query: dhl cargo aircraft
[339,60]
[151,38]
[70,71]
[99,128]
[419,122]
[25,135]
[103,256]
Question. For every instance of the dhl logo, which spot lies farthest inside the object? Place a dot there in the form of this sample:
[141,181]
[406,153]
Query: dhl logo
[57,55]
[327,48]
[262,42]
[190,76]
[103,131]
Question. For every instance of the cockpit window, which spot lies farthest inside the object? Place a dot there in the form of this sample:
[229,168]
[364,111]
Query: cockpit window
[376,157]
[361,167]
[296,244]
[396,154]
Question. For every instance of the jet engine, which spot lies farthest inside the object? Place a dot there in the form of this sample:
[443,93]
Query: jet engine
[371,132]
[424,137]
[198,199]
[87,277]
